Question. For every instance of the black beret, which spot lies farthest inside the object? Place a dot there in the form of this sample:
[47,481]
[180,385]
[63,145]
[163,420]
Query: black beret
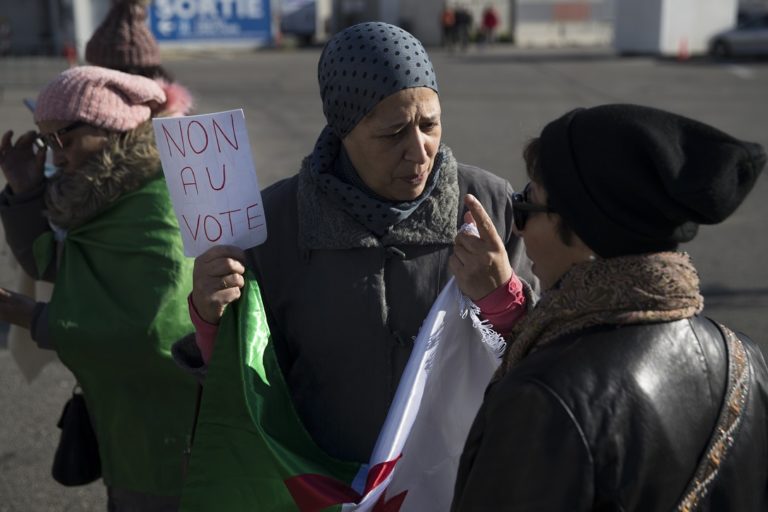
[630,179]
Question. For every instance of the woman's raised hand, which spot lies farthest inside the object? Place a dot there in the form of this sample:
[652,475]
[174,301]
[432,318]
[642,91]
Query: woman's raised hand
[480,263]
[216,281]
[22,163]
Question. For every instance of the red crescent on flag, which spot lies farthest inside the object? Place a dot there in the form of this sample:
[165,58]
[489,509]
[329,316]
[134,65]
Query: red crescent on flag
[313,492]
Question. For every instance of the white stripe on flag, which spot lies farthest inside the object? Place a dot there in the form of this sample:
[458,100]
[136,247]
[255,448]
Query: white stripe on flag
[436,401]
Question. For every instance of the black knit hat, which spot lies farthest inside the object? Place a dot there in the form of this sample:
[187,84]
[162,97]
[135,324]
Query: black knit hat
[632,180]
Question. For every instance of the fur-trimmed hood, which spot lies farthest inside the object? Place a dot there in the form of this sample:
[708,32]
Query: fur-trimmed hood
[126,164]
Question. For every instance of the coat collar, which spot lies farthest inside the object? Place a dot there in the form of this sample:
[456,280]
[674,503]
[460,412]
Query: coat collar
[128,162]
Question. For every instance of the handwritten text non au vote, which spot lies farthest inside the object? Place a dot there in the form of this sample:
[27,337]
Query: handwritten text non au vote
[189,141]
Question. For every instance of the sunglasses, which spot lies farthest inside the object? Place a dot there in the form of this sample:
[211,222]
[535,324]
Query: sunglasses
[53,139]
[522,208]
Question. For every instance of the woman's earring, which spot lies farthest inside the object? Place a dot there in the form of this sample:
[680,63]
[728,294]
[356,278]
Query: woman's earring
[591,257]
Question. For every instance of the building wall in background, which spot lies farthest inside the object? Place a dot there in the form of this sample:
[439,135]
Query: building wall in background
[351,12]
[753,5]
[528,23]
[35,27]
[552,23]
[86,15]
[46,27]
[23,28]
[688,25]
[670,27]
[422,19]
[630,15]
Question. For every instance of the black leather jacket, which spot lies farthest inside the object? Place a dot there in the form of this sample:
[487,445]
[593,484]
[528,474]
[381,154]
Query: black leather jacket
[615,419]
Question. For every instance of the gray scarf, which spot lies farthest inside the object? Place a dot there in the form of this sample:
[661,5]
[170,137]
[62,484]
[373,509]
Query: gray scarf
[359,67]
[340,182]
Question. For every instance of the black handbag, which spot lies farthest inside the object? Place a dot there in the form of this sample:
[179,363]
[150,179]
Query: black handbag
[76,461]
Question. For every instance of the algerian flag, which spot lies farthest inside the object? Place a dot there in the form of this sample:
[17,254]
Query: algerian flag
[251,452]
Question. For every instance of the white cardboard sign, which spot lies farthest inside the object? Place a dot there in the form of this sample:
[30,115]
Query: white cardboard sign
[212,180]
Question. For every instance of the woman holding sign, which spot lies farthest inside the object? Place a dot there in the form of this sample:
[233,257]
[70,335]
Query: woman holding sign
[102,229]
[361,238]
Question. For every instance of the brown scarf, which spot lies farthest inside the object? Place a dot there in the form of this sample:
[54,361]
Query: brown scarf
[656,287]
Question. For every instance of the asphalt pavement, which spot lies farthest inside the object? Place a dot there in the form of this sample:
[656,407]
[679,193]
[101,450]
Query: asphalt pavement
[493,101]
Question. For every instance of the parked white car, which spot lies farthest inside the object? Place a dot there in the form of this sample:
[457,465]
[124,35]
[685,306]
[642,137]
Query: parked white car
[749,38]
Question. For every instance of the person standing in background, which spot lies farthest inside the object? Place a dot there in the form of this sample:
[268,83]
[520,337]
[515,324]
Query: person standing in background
[463,27]
[489,25]
[448,27]
[124,42]
[102,229]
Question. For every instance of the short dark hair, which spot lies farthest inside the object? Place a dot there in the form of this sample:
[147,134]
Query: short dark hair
[533,169]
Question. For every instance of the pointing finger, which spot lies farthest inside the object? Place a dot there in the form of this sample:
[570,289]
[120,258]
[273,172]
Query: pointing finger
[483,222]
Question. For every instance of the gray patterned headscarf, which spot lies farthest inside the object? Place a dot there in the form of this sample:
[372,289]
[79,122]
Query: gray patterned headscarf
[359,67]
[365,63]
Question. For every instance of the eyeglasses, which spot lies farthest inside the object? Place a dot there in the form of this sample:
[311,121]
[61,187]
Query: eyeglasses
[522,208]
[53,139]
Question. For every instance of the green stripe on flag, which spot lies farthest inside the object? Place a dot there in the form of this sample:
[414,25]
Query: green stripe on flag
[118,304]
[249,439]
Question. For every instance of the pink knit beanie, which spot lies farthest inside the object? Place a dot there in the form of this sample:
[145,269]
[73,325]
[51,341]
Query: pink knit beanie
[101,97]
[123,40]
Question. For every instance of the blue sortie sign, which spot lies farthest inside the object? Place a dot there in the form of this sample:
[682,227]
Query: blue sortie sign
[211,20]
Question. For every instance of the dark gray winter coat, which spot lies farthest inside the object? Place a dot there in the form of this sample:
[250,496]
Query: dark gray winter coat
[344,305]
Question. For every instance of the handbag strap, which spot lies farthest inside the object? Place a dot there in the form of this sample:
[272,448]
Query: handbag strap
[198,400]
[728,421]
